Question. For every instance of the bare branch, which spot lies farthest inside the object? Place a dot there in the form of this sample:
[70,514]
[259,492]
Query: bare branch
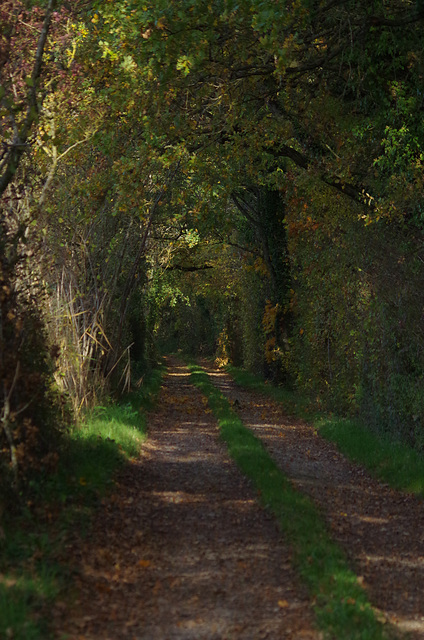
[18,146]
[55,160]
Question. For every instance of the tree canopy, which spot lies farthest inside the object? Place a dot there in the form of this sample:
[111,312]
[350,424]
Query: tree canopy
[238,179]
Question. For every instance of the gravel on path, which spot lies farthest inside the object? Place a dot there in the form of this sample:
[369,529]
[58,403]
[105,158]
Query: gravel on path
[182,550]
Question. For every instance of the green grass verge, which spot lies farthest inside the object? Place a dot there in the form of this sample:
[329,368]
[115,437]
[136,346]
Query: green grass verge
[389,460]
[30,575]
[341,606]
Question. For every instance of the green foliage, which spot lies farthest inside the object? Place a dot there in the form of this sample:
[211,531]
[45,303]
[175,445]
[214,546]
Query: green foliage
[341,608]
[328,296]
[348,129]
[355,347]
[279,147]
[19,597]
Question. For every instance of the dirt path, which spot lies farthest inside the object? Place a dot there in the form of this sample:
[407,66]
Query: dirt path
[381,530]
[182,550]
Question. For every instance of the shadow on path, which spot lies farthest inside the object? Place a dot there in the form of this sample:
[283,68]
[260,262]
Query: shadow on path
[182,550]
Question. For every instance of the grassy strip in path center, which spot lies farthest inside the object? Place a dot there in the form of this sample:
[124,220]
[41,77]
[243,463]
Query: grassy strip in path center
[341,606]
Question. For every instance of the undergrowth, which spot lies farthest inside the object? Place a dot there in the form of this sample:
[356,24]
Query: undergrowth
[341,605]
[392,461]
[32,542]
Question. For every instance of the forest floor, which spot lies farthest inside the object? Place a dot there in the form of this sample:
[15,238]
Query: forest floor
[183,550]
